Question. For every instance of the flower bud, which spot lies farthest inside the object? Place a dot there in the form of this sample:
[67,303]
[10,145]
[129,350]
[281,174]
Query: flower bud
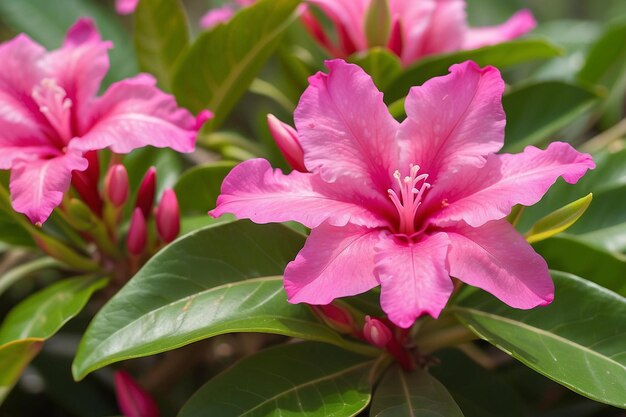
[396,44]
[116,185]
[168,216]
[376,332]
[132,399]
[337,318]
[286,138]
[377,23]
[145,195]
[137,233]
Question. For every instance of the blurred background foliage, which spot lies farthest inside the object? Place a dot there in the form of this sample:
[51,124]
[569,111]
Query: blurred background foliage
[588,111]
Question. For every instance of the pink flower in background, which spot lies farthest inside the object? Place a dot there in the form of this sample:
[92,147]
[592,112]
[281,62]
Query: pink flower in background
[50,116]
[223,14]
[126,6]
[412,28]
[406,205]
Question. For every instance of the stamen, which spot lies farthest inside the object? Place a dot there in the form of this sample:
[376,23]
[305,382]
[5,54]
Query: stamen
[409,199]
[54,104]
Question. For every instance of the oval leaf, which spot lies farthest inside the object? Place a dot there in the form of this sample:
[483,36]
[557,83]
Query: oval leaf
[14,357]
[559,220]
[304,379]
[577,341]
[223,62]
[416,394]
[221,279]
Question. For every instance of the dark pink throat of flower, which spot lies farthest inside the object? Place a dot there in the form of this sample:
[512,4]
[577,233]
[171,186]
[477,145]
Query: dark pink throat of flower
[56,107]
[412,189]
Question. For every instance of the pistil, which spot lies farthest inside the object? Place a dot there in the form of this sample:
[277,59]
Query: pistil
[409,199]
[56,107]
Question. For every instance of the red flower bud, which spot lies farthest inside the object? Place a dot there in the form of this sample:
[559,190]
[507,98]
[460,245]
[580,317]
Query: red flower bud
[376,332]
[133,400]
[286,138]
[116,185]
[145,195]
[137,233]
[168,216]
[335,317]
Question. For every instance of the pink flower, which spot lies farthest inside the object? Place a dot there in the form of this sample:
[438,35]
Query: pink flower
[50,116]
[126,6]
[223,14]
[413,28]
[406,205]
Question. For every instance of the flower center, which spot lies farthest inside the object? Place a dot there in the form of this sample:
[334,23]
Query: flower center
[409,199]
[56,107]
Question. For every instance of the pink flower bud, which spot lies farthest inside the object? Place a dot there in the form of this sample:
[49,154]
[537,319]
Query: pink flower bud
[116,185]
[137,233]
[286,138]
[376,332]
[395,44]
[133,400]
[168,216]
[335,317]
[145,195]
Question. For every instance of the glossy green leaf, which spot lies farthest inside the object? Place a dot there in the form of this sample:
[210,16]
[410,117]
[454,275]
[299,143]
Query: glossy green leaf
[223,62]
[486,396]
[535,112]
[303,379]
[382,65]
[42,314]
[501,55]
[14,357]
[47,21]
[578,340]
[161,36]
[416,394]
[197,189]
[559,220]
[221,279]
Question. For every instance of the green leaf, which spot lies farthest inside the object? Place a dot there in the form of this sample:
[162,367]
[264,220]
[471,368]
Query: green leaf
[417,394]
[42,314]
[23,270]
[303,379]
[161,37]
[382,65]
[559,220]
[221,279]
[536,111]
[486,396]
[223,62]
[198,188]
[47,21]
[577,341]
[14,357]
[501,55]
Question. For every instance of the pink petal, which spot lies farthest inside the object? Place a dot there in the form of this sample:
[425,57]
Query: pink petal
[37,187]
[496,258]
[80,65]
[454,120]
[478,195]
[216,16]
[413,277]
[126,6]
[335,262]
[519,24]
[346,131]
[253,190]
[134,113]
[349,16]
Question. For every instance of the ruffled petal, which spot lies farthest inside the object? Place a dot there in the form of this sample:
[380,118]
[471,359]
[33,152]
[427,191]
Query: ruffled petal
[134,113]
[255,191]
[346,131]
[413,277]
[519,24]
[335,262]
[37,186]
[454,120]
[478,195]
[496,258]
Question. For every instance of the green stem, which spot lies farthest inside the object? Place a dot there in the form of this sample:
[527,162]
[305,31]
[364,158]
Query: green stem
[24,270]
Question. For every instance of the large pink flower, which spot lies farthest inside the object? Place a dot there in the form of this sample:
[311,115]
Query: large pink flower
[50,116]
[417,27]
[406,205]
